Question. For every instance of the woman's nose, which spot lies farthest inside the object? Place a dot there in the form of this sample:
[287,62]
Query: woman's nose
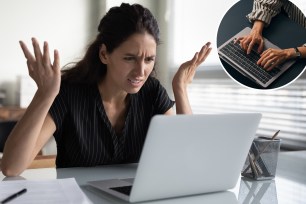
[140,67]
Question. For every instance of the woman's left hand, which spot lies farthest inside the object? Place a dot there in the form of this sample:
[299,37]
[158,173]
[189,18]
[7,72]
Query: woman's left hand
[184,76]
[187,70]
[271,57]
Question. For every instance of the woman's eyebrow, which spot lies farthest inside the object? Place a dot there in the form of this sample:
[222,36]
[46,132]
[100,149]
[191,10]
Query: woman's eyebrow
[135,55]
[130,54]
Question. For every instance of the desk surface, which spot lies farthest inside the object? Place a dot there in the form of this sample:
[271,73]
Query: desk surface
[278,31]
[289,186]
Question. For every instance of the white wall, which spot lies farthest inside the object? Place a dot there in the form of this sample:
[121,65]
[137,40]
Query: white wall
[67,25]
[62,23]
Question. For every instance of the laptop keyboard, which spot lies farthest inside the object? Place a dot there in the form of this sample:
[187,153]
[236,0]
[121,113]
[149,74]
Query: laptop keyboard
[123,189]
[248,62]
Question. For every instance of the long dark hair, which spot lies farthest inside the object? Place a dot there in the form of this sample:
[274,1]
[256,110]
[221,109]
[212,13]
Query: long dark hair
[115,27]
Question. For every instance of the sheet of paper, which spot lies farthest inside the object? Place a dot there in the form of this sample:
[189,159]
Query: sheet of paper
[45,191]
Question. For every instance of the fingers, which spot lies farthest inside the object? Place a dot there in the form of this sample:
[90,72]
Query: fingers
[263,57]
[271,64]
[198,58]
[248,42]
[30,58]
[56,62]
[269,60]
[39,58]
[237,40]
[204,52]
[46,56]
[37,51]
[30,67]
[260,47]
[26,52]
[195,58]
[250,46]
[244,43]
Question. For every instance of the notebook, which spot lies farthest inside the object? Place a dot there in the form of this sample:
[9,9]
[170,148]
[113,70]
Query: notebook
[188,155]
[234,55]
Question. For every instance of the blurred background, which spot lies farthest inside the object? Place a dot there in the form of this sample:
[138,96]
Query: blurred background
[71,25]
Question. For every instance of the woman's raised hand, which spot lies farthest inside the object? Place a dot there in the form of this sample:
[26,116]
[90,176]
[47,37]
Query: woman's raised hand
[184,76]
[46,75]
[187,70]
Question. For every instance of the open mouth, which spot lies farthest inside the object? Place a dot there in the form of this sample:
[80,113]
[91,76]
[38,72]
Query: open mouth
[135,81]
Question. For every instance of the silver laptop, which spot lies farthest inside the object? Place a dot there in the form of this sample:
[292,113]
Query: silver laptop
[234,55]
[188,155]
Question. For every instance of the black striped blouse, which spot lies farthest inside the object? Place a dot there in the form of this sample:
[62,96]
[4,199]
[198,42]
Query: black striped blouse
[84,135]
[265,10]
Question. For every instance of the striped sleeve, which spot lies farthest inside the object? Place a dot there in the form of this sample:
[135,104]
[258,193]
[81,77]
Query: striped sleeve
[265,10]
[295,14]
[58,109]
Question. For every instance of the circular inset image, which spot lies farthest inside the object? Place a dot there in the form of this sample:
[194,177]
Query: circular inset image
[261,44]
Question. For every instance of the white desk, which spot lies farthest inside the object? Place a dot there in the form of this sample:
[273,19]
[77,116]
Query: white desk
[289,186]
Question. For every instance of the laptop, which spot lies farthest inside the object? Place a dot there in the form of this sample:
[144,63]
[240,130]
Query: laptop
[234,55]
[187,155]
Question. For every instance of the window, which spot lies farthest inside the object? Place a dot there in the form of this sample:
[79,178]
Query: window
[198,21]
[195,23]
[283,109]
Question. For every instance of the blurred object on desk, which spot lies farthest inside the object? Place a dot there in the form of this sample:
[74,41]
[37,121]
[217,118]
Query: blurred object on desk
[5,129]
[40,161]
[43,161]
[9,113]
[27,89]
[13,113]
[2,96]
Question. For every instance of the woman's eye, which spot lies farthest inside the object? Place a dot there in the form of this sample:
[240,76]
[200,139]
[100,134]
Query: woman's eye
[150,59]
[129,58]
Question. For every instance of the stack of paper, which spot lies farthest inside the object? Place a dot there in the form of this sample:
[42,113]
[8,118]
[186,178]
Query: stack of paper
[46,191]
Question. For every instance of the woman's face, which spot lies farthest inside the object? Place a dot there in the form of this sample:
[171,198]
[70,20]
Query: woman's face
[130,64]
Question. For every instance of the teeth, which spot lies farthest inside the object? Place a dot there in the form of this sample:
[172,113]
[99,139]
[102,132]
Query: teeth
[134,81]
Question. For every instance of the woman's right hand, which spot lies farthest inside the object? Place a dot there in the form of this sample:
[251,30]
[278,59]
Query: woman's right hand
[47,76]
[253,38]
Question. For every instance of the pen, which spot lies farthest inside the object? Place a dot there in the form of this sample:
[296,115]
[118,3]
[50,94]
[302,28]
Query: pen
[15,195]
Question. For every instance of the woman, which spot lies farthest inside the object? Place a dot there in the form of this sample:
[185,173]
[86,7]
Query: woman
[100,109]
[261,15]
